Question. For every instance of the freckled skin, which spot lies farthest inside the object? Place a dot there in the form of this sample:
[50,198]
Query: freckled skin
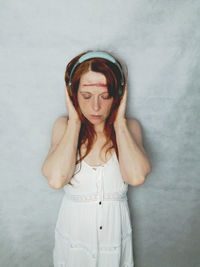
[93,98]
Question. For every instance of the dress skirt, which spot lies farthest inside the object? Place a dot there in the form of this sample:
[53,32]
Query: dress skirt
[93,228]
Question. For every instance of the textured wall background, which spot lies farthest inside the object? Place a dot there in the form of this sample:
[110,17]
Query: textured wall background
[159,41]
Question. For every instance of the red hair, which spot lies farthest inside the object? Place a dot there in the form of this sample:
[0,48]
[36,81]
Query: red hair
[112,74]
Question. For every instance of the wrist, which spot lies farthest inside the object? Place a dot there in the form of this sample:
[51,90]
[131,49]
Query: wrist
[120,122]
[74,121]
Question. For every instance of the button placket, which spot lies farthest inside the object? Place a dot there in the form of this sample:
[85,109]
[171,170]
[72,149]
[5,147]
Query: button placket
[100,197]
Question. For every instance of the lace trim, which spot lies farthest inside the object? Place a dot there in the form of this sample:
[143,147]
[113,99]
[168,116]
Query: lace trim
[126,265]
[60,264]
[76,244]
[93,253]
[117,247]
[95,197]
[127,236]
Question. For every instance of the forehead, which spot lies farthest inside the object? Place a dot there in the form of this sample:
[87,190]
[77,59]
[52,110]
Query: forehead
[93,78]
[94,82]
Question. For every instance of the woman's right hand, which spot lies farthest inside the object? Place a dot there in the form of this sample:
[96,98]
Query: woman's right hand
[72,113]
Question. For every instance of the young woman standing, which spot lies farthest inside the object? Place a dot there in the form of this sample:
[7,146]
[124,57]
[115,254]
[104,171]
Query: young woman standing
[96,152]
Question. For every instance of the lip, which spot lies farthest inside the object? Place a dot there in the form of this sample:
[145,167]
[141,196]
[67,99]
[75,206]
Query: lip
[96,116]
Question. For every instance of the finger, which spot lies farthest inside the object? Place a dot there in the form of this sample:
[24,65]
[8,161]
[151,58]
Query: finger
[67,99]
[124,95]
[67,94]
[126,90]
[66,91]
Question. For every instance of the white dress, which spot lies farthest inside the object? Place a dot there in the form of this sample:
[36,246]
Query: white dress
[93,228]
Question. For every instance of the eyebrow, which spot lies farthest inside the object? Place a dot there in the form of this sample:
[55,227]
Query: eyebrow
[96,84]
[91,93]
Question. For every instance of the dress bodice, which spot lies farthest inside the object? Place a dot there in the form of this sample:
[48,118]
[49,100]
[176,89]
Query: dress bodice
[91,182]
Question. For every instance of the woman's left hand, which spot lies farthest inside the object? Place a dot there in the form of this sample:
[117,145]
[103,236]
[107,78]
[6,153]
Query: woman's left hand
[122,107]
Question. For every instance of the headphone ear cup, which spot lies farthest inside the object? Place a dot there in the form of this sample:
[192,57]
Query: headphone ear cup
[121,91]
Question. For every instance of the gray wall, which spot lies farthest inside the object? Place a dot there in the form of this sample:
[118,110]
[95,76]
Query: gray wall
[159,41]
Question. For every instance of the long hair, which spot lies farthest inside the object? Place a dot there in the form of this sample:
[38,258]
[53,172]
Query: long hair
[110,70]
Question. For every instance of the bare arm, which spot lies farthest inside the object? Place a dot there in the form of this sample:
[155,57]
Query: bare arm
[59,164]
[134,163]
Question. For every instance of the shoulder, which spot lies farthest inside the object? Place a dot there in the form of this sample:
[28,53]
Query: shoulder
[58,131]
[61,121]
[132,121]
[59,127]
[134,125]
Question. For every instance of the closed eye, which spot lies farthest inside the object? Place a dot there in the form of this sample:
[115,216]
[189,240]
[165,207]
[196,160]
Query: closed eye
[103,97]
[106,97]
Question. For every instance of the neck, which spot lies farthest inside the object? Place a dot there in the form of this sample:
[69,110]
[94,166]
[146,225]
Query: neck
[99,129]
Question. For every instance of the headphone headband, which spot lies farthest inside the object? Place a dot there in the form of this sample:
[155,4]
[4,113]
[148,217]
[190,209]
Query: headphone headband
[97,54]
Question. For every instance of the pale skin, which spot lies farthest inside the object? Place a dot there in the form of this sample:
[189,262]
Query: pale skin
[93,99]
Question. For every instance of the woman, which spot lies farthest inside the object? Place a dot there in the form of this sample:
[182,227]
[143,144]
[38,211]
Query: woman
[95,153]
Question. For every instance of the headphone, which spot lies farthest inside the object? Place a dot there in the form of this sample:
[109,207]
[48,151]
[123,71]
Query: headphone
[97,54]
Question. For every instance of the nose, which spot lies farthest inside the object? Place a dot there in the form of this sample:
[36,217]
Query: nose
[96,104]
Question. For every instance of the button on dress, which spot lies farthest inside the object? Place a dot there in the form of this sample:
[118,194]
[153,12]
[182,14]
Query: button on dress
[93,227]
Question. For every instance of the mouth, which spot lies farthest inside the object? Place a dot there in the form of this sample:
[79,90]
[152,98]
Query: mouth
[96,116]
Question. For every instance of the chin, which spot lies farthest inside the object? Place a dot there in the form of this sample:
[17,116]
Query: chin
[95,121]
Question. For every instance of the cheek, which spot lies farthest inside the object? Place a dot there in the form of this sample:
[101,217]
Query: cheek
[108,106]
[80,103]
[83,106]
